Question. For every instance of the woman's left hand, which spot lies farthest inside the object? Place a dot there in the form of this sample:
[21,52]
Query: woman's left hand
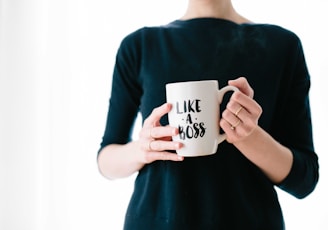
[241,116]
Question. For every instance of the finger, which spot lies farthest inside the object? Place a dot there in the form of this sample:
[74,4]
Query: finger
[165,156]
[242,84]
[236,109]
[234,121]
[232,134]
[157,114]
[244,121]
[163,131]
[250,105]
[159,145]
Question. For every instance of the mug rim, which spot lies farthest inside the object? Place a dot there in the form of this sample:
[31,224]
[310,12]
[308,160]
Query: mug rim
[193,82]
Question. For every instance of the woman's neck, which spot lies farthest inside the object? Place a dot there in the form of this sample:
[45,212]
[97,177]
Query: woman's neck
[213,9]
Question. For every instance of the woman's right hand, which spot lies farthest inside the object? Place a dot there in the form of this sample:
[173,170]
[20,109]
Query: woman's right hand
[155,139]
[122,160]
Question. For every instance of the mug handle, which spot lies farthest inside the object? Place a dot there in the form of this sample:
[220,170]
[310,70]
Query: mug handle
[221,93]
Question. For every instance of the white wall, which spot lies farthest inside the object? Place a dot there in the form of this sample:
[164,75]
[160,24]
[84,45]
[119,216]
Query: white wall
[56,60]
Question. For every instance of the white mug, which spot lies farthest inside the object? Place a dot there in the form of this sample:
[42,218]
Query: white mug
[196,113]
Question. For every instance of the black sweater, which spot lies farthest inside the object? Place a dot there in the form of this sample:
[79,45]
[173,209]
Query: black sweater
[224,190]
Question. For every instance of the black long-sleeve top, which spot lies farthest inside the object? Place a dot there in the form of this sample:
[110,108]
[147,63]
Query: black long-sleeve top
[224,190]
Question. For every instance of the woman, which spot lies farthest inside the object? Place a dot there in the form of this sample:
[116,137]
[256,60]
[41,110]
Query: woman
[268,124]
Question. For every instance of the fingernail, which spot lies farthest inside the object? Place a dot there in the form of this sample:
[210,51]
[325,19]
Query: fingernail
[175,132]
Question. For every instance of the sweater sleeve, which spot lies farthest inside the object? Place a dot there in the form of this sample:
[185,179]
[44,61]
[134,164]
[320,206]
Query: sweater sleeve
[125,94]
[295,130]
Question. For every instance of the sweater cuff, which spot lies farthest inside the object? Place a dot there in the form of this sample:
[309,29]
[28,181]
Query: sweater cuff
[302,177]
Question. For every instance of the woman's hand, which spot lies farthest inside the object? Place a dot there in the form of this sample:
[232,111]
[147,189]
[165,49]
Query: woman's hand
[241,116]
[122,160]
[240,123]
[155,139]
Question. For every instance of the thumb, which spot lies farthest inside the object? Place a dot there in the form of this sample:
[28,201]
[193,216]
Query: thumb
[242,84]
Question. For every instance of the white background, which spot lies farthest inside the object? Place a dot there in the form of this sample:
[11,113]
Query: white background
[56,62]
